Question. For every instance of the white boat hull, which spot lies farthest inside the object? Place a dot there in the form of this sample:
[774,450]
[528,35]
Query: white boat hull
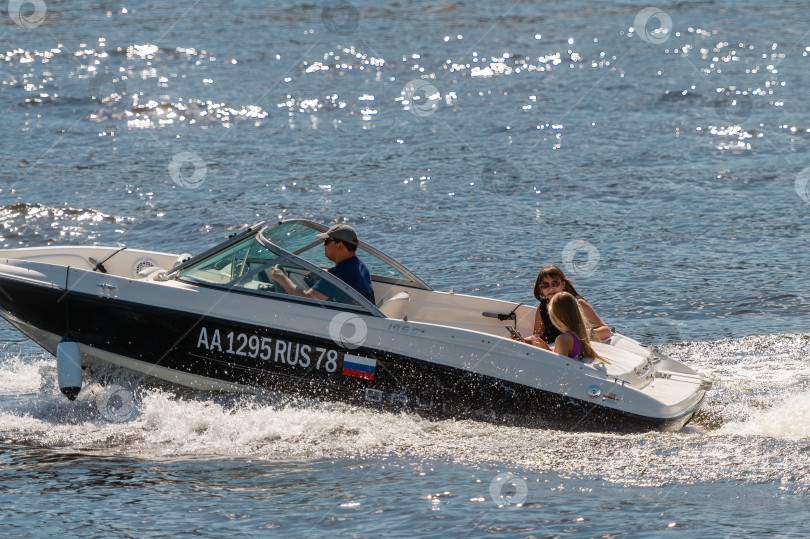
[435,353]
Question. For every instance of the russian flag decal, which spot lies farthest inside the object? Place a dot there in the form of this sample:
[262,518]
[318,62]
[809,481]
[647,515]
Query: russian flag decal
[359,367]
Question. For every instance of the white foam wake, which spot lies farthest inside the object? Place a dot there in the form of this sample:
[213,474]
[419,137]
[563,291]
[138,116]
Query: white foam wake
[18,375]
[788,419]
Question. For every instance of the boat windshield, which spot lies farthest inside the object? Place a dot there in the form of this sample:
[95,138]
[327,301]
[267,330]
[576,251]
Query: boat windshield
[246,265]
[299,238]
[244,262]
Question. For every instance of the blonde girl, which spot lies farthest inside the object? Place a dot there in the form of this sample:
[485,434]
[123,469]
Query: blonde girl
[566,314]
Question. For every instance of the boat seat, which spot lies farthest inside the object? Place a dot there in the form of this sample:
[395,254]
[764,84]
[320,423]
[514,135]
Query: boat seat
[394,307]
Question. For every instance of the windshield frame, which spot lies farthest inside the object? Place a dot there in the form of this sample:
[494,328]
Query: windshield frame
[234,238]
[412,280]
[255,234]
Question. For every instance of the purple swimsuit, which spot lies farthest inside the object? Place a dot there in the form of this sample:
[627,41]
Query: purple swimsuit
[576,350]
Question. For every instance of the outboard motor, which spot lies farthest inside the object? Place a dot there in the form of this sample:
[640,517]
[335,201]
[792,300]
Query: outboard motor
[69,367]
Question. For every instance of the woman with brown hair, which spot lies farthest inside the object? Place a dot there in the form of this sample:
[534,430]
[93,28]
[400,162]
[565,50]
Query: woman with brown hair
[551,281]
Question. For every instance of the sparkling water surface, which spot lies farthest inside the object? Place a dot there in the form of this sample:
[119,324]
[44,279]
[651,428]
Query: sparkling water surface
[658,155]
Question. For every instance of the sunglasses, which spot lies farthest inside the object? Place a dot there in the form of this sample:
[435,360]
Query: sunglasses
[330,240]
[555,283]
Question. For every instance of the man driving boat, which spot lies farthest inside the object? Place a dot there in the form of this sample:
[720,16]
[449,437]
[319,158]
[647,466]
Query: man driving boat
[340,246]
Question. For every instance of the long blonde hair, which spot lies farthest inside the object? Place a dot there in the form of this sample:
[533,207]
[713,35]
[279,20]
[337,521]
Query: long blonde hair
[565,309]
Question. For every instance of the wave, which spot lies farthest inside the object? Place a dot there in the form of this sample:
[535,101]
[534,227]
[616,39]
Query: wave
[760,407]
[786,420]
[25,224]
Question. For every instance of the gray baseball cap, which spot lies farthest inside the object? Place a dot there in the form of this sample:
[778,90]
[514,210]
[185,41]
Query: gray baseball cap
[342,233]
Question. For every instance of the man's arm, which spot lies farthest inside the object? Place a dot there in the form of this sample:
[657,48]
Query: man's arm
[278,276]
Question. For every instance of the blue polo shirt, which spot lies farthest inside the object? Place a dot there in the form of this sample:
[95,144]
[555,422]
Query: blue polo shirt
[354,273]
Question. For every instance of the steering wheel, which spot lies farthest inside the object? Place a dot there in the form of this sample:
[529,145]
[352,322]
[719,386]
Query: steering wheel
[311,278]
[268,284]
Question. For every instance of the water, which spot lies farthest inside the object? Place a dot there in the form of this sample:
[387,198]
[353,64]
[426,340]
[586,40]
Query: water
[474,142]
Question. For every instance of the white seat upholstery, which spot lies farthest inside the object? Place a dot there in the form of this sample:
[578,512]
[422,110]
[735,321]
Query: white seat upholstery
[394,307]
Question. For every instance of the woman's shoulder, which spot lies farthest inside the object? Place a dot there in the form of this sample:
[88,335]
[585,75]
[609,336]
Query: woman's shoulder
[573,336]
[565,337]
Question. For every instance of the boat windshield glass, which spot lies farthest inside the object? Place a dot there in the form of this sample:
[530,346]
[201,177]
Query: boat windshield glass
[246,265]
[300,239]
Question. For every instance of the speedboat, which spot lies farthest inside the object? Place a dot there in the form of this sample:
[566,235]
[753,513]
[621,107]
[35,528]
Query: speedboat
[217,322]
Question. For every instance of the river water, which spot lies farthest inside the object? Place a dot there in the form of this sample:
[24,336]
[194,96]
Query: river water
[658,155]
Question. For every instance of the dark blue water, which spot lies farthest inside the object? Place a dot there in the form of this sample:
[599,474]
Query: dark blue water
[662,165]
